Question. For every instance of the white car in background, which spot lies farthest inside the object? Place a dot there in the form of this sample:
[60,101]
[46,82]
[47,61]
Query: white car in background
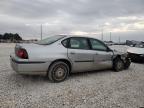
[136,53]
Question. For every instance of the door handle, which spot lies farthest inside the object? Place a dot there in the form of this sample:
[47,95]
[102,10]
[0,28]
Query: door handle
[72,52]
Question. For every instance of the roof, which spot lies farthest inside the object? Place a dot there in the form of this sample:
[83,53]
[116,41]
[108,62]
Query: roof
[79,36]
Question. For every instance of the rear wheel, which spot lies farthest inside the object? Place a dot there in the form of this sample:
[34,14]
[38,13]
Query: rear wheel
[118,65]
[58,71]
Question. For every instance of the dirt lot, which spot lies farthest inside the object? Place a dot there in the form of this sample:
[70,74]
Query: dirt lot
[100,89]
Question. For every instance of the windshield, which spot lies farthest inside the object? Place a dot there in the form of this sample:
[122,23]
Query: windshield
[50,40]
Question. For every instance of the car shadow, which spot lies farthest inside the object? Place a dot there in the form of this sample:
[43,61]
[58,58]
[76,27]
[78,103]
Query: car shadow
[35,77]
[91,72]
[32,78]
[40,79]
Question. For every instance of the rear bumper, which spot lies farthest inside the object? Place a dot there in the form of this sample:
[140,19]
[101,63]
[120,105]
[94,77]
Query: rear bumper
[23,66]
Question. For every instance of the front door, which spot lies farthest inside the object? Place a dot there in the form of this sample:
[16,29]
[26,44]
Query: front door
[102,56]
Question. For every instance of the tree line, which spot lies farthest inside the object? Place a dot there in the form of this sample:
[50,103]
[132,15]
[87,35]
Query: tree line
[10,36]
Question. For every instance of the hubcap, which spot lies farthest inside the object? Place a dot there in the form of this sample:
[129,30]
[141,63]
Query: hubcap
[60,72]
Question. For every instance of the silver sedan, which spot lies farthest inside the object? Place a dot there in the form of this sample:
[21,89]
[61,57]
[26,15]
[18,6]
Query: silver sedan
[60,55]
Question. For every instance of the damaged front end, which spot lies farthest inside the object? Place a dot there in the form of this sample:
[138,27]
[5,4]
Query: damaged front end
[124,57]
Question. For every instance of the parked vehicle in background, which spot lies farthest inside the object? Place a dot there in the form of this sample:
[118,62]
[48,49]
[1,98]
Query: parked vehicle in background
[60,55]
[109,43]
[136,53]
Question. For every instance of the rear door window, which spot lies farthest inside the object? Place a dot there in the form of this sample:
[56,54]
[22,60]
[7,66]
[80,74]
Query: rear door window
[79,43]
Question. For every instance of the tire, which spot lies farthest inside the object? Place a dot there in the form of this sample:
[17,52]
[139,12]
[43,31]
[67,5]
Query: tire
[118,65]
[58,71]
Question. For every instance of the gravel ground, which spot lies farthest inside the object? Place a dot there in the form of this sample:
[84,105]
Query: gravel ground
[100,89]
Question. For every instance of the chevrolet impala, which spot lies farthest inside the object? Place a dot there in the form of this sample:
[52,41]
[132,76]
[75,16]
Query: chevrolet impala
[60,55]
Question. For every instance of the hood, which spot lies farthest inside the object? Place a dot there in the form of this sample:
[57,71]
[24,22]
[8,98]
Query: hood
[136,50]
[118,52]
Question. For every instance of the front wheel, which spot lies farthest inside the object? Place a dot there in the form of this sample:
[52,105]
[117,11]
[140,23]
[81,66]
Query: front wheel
[58,71]
[118,64]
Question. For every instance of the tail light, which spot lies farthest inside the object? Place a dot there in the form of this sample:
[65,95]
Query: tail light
[22,53]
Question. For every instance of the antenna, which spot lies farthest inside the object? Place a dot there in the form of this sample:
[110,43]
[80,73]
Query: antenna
[41,32]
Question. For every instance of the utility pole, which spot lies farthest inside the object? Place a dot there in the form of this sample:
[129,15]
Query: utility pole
[110,37]
[41,32]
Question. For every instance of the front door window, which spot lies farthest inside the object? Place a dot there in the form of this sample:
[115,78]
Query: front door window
[97,45]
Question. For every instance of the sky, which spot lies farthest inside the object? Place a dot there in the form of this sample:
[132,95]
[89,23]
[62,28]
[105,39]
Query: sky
[123,18]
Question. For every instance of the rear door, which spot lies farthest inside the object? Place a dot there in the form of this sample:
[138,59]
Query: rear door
[102,56]
[80,54]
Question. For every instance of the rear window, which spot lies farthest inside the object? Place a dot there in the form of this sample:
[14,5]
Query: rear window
[50,40]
